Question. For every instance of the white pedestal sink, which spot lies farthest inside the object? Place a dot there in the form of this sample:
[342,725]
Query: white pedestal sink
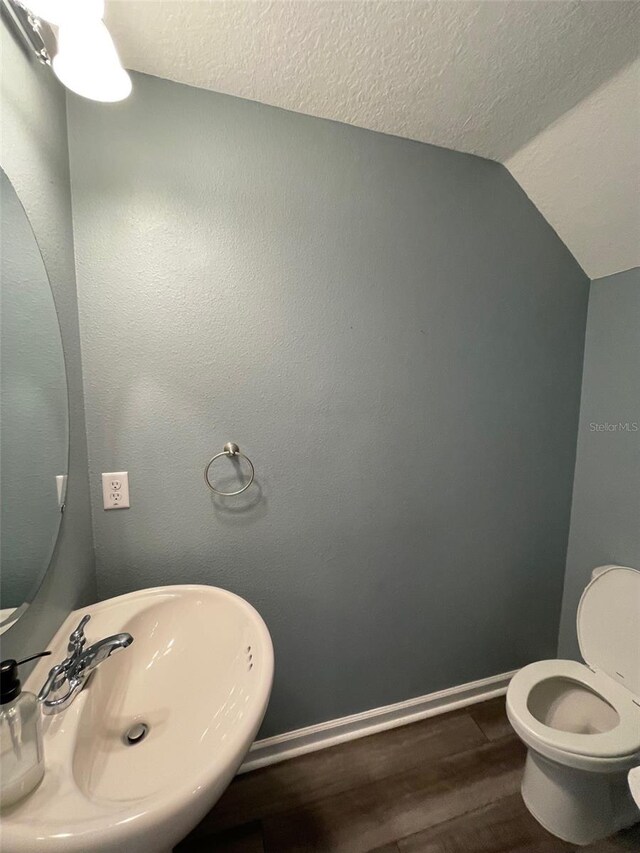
[198,675]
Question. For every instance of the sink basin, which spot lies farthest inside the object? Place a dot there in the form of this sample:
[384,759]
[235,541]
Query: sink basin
[195,682]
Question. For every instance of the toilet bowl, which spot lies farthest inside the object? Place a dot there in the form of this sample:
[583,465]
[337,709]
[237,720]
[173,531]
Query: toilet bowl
[581,722]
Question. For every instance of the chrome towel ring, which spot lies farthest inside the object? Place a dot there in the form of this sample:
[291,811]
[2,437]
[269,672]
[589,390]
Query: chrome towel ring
[230,450]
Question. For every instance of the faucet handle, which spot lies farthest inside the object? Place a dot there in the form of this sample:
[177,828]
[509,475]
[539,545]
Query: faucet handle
[77,638]
[55,680]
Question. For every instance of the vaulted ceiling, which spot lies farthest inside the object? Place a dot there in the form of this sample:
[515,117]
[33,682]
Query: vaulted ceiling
[551,88]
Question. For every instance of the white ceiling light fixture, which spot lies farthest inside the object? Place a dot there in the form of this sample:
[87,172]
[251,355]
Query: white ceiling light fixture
[51,11]
[86,60]
[57,11]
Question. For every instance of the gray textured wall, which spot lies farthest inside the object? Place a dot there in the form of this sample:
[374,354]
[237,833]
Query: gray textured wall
[605,515]
[394,335]
[34,155]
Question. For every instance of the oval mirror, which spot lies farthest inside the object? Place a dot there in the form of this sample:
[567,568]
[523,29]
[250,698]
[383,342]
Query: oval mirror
[34,418]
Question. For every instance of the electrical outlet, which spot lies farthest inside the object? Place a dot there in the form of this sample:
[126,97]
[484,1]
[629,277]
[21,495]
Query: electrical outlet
[115,490]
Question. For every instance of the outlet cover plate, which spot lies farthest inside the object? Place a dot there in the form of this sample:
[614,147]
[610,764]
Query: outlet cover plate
[115,490]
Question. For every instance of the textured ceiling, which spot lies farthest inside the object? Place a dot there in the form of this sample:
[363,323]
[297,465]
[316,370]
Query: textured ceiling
[483,76]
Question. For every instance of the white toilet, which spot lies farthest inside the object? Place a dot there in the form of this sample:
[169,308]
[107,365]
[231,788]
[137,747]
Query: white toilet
[581,722]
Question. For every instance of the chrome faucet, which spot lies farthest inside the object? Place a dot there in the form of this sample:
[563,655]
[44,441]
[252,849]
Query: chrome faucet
[66,679]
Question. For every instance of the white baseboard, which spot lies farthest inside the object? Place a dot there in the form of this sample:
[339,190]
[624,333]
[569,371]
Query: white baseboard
[271,750]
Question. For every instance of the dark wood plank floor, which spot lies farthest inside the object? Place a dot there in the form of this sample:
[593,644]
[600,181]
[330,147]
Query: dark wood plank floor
[449,784]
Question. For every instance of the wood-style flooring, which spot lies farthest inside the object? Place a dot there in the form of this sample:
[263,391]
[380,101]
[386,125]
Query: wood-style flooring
[449,784]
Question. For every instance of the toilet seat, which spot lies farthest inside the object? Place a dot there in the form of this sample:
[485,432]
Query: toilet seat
[581,722]
[622,741]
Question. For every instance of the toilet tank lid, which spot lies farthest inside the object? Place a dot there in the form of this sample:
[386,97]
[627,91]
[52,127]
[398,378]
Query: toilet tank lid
[609,625]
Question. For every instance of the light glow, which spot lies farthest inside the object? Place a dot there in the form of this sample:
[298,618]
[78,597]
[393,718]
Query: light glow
[56,12]
[87,61]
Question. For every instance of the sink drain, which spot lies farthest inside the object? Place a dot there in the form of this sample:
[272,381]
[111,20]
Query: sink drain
[135,734]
